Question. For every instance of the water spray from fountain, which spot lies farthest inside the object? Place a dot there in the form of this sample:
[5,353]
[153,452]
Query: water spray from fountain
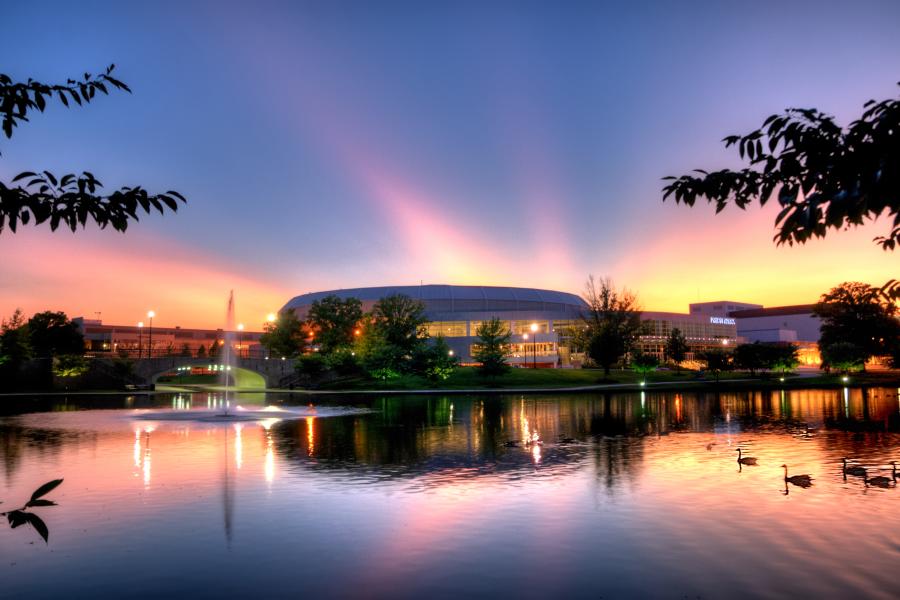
[228,358]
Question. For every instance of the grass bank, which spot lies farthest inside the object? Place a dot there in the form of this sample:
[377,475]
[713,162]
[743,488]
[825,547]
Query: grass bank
[467,378]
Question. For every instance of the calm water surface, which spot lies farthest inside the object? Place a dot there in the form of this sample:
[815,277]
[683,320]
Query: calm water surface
[628,495]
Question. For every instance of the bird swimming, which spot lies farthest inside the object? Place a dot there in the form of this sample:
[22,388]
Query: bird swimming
[746,460]
[856,470]
[803,481]
[880,481]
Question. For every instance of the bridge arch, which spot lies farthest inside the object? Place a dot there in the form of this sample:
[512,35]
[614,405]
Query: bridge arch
[247,373]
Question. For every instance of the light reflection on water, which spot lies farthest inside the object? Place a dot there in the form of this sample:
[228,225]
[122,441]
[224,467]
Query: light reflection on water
[587,495]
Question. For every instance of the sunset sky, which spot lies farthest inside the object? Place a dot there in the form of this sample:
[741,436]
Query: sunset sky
[338,144]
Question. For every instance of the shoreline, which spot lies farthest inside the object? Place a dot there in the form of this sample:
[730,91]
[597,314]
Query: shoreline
[725,385]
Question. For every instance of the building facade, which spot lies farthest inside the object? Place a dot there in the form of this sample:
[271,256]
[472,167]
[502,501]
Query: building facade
[792,324]
[133,341]
[536,317]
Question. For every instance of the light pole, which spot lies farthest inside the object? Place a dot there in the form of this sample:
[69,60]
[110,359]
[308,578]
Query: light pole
[150,314]
[271,325]
[525,349]
[140,335]
[240,340]
[534,328]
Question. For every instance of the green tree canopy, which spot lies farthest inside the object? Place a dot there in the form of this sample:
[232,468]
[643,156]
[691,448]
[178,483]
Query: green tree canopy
[717,361]
[284,336]
[435,360]
[14,344]
[643,364]
[859,314]
[72,200]
[610,325]
[823,176]
[843,356]
[676,346]
[53,334]
[334,321]
[400,321]
[492,347]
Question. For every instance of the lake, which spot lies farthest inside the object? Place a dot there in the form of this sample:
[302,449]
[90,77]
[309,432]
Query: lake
[635,494]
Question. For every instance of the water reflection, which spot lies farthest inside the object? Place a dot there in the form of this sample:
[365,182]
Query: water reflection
[429,482]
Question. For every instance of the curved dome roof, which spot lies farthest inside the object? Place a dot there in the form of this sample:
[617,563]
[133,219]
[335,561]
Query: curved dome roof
[448,302]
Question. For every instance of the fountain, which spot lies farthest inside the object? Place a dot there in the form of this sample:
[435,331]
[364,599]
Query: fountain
[228,372]
[228,363]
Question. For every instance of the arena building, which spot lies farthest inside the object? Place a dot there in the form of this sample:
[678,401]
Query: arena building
[535,317]
[540,320]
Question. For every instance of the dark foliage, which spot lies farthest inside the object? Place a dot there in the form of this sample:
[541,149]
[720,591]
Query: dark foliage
[52,334]
[823,176]
[334,321]
[70,200]
[861,315]
[610,325]
[492,347]
[22,515]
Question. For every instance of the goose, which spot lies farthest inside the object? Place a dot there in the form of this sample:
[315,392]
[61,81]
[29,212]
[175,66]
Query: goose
[512,444]
[803,481]
[880,481]
[857,471]
[747,460]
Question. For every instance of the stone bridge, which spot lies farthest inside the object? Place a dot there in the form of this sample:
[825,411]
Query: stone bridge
[273,371]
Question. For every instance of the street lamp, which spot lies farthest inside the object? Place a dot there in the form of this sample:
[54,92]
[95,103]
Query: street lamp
[140,334]
[240,328]
[534,328]
[271,320]
[525,348]
[150,314]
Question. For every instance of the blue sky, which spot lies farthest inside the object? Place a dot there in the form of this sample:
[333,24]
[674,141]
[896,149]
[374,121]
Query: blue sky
[337,144]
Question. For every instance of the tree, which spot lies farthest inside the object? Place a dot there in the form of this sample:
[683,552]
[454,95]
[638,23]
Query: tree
[201,351]
[824,177]
[750,357]
[611,324]
[676,347]
[185,350]
[861,315]
[843,357]
[435,360]
[284,336]
[399,321]
[69,199]
[52,334]
[785,358]
[643,364]
[70,365]
[334,321]
[14,343]
[717,361]
[492,347]
[392,336]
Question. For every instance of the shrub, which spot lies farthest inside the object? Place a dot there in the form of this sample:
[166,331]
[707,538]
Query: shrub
[312,365]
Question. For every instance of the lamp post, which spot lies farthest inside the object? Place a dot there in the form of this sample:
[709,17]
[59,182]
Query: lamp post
[140,335]
[240,329]
[534,328]
[270,318]
[525,349]
[150,314]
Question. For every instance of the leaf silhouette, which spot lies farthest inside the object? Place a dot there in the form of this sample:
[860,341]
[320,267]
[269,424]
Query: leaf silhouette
[40,503]
[38,525]
[45,489]
[16,518]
